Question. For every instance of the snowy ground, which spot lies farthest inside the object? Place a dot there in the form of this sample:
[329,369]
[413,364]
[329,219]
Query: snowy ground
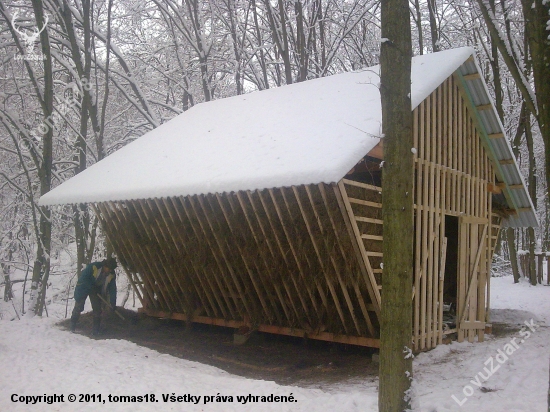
[37,358]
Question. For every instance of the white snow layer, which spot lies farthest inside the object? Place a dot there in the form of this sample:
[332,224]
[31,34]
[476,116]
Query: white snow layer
[304,133]
[38,358]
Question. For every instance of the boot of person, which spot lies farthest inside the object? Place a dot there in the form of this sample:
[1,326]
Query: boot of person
[73,324]
[95,328]
[74,321]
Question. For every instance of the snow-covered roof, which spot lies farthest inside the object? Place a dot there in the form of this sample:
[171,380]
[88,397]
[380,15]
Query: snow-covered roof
[304,133]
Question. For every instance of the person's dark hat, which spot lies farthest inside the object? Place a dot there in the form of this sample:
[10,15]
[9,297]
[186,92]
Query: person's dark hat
[110,263]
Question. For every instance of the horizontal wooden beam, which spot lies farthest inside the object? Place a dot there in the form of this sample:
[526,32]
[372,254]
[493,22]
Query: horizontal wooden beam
[472,76]
[369,220]
[506,161]
[484,107]
[278,330]
[524,209]
[377,151]
[516,187]
[363,185]
[496,189]
[365,202]
[495,135]
[372,237]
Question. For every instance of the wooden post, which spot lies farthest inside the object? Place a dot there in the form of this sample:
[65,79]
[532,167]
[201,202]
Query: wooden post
[540,264]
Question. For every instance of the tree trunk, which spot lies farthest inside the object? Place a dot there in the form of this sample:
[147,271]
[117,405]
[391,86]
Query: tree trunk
[397,210]
[511,238]
[41,268]
[433,26]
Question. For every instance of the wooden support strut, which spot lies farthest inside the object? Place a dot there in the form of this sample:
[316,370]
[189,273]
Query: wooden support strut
[472,277]
[280,330]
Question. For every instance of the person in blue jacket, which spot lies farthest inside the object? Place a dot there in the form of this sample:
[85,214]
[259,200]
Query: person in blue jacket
[98,282]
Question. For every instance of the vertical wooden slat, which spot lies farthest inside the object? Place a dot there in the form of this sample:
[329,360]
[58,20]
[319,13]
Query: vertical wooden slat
[181,293]
[319,251]
[267,236]
[150,258]
[181,251]
[290,318]
[179,304]
[441,283]
[295,251]
[357,290]
[245,299]
[268,284]
[248,265]
[205,279]
[224,286]
[201,283]
[279,240]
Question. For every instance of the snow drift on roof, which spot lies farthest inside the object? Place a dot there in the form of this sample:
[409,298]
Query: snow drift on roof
[304,133]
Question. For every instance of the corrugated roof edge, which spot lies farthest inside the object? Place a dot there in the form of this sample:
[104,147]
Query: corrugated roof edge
[494,138]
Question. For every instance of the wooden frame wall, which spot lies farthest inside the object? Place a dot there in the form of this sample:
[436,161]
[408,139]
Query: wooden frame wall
[453,172]
[279,260]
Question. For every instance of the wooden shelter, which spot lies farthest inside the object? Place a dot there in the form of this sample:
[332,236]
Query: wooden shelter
[300,253]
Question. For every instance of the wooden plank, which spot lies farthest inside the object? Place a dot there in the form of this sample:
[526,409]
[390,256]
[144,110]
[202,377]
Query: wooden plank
[355,236]
[174,206]
[278,241]
[418,225]
[425,237]
[372,237]
[133,251]
[441,287]
[280,330]
[251,274]
[268,286]
[200,288]
[363,185]
[494,189]
[293,247]
[332,218]
[202,283]
[271,221]
[507,162]
[329,283]
[155,267]
[169,246]
[377,254]
[139,258]
[368,220]
[176,293]
[473,76]
[326,251]
[485,107]
[473,270]
[365,203]
[219,276]
[495,135]
[250,308]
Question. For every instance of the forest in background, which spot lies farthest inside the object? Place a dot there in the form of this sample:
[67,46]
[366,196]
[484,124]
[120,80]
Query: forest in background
[80,79]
